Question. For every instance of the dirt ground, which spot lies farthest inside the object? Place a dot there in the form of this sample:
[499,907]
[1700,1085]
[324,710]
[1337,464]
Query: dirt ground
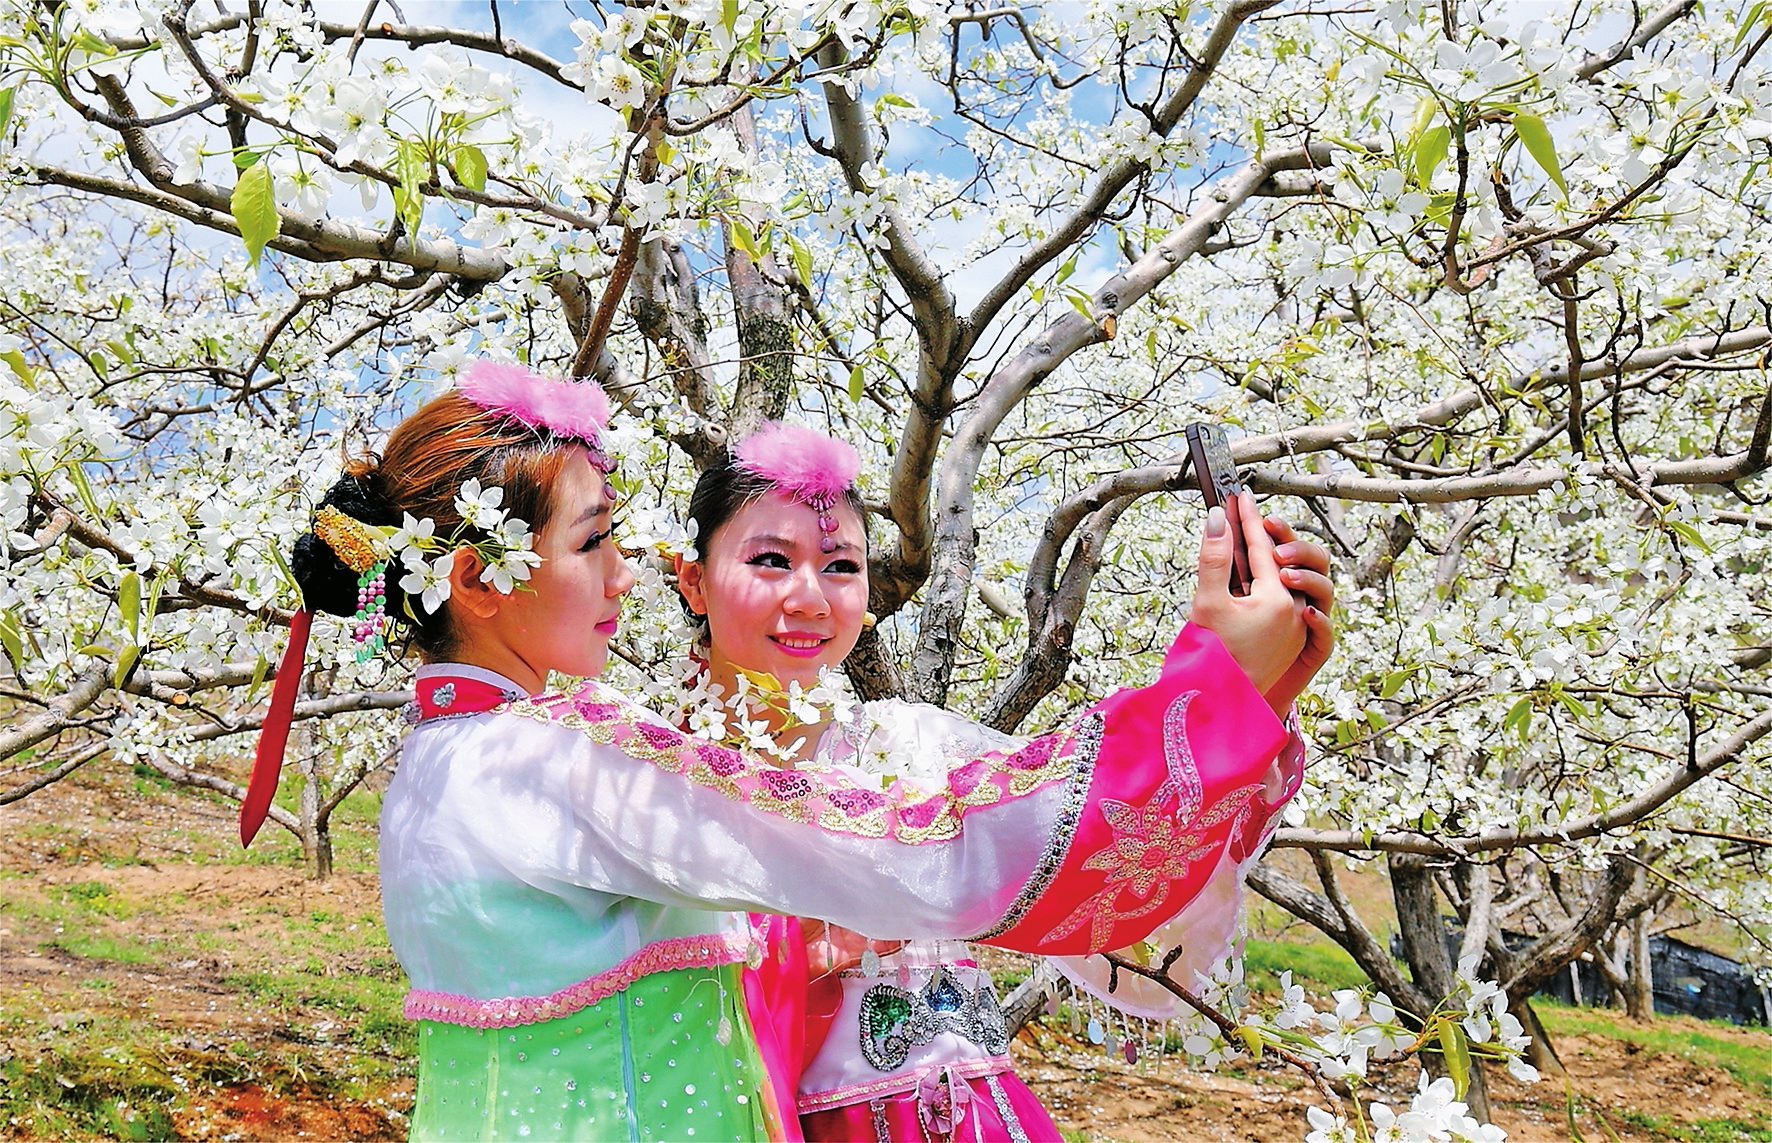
[153,985]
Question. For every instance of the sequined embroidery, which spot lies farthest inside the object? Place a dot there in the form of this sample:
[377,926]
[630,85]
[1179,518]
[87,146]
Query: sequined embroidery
[815,794]
[894,1020]
[1005,1110]
[1064,828]
[1154,844]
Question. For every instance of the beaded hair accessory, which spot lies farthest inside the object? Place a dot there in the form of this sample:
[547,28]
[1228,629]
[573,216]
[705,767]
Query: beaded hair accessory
[359,548]
[806,465]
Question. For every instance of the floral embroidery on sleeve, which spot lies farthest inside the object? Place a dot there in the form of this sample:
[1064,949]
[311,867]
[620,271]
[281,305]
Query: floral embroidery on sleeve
[1155,844]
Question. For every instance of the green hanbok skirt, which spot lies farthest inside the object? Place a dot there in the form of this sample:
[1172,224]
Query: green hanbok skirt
[644,1065]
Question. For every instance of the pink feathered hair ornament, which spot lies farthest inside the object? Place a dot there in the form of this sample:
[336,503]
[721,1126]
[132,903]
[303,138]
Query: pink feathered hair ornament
[574,409]
[806,465]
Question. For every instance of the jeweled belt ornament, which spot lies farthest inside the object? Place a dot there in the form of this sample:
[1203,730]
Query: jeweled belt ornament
[894,1020]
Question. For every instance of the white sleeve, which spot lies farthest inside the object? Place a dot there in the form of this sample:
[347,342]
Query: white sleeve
[669,818]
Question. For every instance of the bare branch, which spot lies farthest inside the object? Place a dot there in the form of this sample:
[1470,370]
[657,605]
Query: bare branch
[60,714]
[951,569]
[50,777]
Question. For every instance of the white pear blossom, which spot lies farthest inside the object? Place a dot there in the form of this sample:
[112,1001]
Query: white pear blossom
[479,507]
[429,580]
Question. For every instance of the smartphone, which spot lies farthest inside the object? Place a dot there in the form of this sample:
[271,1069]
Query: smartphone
[1216,474]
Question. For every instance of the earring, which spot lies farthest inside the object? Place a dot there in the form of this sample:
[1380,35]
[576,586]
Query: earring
[868,619]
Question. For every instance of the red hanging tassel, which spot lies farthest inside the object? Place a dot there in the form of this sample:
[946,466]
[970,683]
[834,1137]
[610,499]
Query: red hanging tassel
[267,767]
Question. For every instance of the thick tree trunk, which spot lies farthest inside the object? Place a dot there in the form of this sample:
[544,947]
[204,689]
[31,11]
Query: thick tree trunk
[870,670]
[1430,963]
[316,834]
[1540,1053]
[1639,996]
[764,311]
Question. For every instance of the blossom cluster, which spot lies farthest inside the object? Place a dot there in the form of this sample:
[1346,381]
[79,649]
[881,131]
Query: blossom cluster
[505,547]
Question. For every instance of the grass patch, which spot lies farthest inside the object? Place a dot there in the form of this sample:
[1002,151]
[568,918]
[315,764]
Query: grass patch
[367,1008]
[1321,967]
[1697,1131]
[114,1093]
[93,947]
[1749,1062]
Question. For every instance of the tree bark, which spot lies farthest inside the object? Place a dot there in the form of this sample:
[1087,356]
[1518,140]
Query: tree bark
[1540,1053]
[315,834]
[1639,996]
[765,330]
[870,670]
[1430,963]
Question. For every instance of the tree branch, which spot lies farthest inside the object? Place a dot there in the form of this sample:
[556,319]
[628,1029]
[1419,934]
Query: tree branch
[1626,813]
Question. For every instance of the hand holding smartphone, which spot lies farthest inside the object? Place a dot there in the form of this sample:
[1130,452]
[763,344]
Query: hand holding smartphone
[1216,473]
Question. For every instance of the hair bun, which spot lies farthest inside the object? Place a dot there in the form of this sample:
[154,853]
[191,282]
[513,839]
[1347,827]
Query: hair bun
[326,583]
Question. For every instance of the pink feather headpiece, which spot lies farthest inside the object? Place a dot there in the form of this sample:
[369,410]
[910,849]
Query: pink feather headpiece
[804,464]
[574,409]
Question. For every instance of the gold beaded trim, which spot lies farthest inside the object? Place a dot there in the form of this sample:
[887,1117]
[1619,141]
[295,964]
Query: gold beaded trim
[350,540]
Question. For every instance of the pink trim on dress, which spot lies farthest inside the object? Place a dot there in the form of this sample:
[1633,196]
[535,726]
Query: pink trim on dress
[708,951]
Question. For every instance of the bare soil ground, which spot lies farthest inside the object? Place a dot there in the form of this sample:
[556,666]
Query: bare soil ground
[156,983]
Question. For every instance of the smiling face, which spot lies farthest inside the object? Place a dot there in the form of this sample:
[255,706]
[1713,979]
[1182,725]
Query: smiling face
[566,621]
[774,601]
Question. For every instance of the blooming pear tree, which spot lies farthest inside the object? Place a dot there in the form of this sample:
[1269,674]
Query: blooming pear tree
[1481,291]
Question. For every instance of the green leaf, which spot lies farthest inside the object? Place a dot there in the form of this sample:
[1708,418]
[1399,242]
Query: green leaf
[742,238]
[1748,21]
[1519,718]
[1430,151]
[1424,115]
[1458,1054]
[261,669]
[1081,302]
[83,489]
[1066,270]
[244,159]
[1394,681]
[470,166]
[154,591]
[10,640]
[856,383]
[802,259]
[129,603]
[1689,533]
[729,15]
[255,209]
[409,196]
[6,108]
[283,567]
[125,663]
[1537,140]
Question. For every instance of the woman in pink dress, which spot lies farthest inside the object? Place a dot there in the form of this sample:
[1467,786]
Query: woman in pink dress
[902,1039]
